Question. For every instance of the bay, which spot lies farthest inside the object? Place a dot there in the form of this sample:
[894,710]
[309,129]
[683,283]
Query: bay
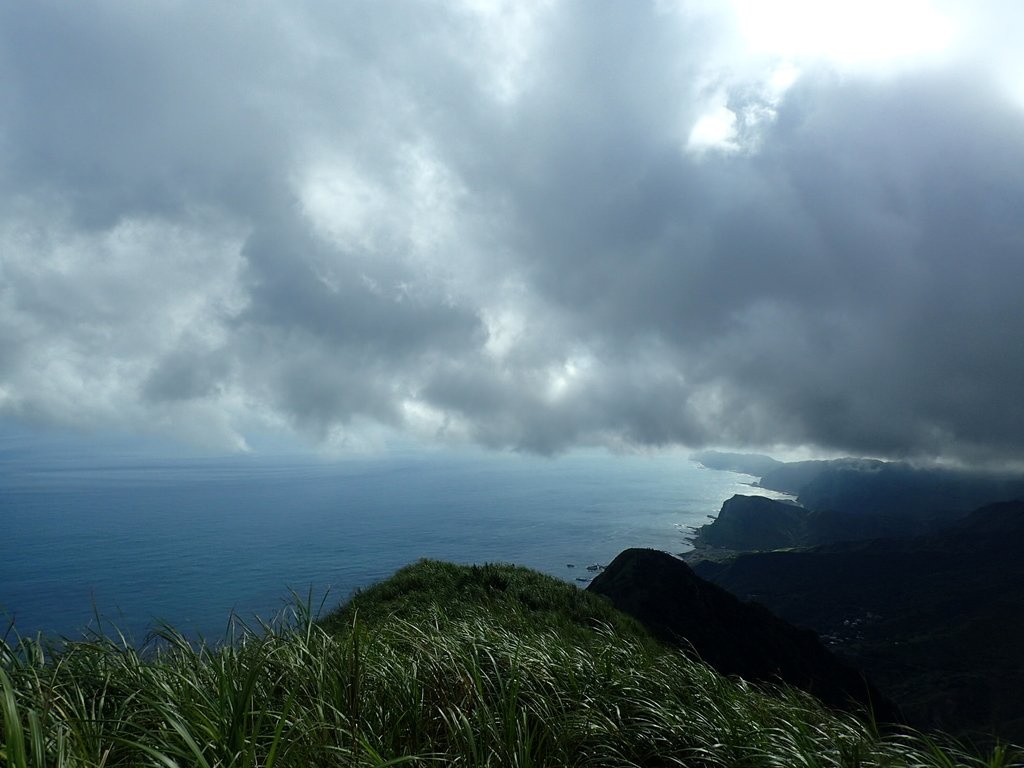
[131,543]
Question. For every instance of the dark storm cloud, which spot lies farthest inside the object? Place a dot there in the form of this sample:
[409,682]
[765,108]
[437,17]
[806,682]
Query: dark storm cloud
[461,224]
[904,319]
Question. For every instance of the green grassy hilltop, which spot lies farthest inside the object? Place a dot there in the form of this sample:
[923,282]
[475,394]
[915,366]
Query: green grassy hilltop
[439,665]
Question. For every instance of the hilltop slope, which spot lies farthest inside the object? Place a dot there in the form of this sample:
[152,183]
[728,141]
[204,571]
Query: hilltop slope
[441,665]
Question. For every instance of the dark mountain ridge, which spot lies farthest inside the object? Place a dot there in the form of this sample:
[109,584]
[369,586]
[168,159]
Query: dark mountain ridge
[733,637]
[935,621]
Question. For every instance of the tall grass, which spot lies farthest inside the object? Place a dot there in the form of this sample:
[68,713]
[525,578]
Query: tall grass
[467,684]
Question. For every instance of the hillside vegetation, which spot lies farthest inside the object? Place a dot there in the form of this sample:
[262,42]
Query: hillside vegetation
[442,664]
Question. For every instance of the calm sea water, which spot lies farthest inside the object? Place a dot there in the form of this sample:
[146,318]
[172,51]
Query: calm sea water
[190,542]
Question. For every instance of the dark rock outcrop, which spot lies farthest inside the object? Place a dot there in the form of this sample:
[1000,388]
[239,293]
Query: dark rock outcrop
[754,523]
[733,637]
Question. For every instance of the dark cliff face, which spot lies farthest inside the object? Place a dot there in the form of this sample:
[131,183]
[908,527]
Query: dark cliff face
[754,523]
[733,637]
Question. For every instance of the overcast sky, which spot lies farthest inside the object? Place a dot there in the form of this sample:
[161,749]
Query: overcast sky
[533,226]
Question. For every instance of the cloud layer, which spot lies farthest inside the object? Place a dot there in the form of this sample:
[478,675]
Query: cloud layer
[529,226]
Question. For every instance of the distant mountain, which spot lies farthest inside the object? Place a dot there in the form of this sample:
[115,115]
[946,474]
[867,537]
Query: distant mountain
[734,637]
[843,500]
[866,486]
[793,476]
[935,621]
[871,486]
[754,464]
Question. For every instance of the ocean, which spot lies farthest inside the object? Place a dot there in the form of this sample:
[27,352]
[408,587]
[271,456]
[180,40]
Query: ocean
[132,543]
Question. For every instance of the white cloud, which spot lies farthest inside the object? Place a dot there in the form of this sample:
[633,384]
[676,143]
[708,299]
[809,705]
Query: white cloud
[527,225]
[508,33]
[88,315]
[771,44]
[714,129]
[870,35]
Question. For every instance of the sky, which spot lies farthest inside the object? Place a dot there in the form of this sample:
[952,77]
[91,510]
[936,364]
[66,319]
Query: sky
[528,226]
